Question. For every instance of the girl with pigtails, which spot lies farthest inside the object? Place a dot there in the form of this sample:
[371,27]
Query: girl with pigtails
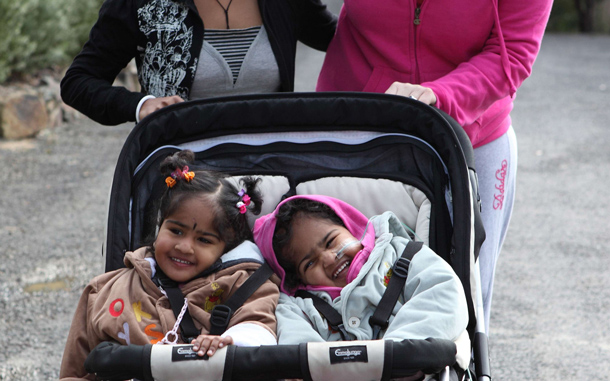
[204,249]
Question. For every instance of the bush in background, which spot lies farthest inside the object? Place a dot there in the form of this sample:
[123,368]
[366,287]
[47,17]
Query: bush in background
[38,34]
[563,17]
[586,16]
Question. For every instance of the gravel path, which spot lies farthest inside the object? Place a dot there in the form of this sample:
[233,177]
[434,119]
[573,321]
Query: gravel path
[53,202]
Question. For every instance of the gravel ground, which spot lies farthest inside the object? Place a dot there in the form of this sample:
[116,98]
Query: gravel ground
[53,202]
[552,298]
[552,295]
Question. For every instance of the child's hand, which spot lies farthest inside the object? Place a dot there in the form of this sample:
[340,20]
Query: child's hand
[208,344]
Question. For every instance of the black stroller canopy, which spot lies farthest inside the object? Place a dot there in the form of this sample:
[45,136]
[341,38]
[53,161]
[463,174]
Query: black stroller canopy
[204,119]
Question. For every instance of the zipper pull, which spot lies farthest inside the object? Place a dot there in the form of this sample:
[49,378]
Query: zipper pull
[417,20]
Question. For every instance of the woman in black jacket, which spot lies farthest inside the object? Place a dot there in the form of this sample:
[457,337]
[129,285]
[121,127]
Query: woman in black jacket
[186,49]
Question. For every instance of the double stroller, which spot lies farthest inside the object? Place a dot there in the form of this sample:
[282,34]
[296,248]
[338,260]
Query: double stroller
[376,152]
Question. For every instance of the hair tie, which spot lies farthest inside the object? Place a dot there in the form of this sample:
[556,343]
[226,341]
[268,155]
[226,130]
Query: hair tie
[179,174]
[244,202]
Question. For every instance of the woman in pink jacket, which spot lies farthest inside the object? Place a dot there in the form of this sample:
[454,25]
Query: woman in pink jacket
[466,58]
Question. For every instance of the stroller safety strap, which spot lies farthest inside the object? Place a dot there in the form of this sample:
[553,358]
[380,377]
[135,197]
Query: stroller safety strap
[331,315]
[176,301]
[381,317]
[221,314]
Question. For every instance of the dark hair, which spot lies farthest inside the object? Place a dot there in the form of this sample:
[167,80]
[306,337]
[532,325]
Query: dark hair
[215,187]
[282,235]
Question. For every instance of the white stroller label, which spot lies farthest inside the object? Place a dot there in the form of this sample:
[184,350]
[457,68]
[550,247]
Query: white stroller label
[355,353]
[164,366]
[345,361]
[184,353]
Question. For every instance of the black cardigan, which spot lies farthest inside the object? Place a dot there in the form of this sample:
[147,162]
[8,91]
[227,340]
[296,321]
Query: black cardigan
[117,37]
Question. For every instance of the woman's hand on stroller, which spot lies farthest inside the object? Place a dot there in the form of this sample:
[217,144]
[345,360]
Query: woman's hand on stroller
[417,92]
[154,104]
[208,344]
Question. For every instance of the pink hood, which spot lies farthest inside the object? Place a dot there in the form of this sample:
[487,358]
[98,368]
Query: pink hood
[354,221]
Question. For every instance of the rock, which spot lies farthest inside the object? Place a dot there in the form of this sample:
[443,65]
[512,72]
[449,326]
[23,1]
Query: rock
[69,114]
[56,118]
[22,114]
[30,106]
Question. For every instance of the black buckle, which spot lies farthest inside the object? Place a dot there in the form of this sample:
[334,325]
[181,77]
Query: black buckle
[401,267]
[378,326]
[221,314]
[343,332]
[377,330]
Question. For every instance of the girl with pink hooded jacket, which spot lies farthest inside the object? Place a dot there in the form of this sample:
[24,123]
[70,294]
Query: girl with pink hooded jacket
[329,248]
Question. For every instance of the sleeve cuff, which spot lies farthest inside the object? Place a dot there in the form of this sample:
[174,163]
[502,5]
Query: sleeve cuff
[250,335]
[144,99]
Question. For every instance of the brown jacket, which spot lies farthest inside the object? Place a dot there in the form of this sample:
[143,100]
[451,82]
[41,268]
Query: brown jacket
[127,307]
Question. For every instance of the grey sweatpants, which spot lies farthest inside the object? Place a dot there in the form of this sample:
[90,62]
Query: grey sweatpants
[496,165]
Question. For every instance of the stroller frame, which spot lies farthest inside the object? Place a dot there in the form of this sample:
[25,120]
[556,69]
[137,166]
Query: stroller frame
[224,119]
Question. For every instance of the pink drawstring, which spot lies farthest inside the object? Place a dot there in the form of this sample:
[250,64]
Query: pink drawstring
[503,50]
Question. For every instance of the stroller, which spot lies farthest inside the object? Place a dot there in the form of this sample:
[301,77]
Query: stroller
[351,146]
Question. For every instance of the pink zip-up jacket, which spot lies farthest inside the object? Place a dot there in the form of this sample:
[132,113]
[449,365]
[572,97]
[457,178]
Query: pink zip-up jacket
[473,54]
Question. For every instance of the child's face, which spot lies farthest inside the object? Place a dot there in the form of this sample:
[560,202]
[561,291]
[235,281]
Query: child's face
[187,243]
[313,249]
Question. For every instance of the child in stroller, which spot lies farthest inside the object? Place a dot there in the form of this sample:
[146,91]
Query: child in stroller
[203,251]
[324,249]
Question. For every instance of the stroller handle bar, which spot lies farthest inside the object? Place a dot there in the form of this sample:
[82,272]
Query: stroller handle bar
[339,360]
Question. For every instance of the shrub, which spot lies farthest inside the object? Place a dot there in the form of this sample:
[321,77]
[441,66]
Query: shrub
[580,16]
[36,34]
[14,45]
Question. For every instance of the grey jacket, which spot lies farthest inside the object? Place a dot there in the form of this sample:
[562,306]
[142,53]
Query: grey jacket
[432,304]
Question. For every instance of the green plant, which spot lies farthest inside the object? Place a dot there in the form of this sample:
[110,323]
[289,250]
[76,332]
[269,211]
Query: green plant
[36,34]
[81,15]
[15,46]
[579,16]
